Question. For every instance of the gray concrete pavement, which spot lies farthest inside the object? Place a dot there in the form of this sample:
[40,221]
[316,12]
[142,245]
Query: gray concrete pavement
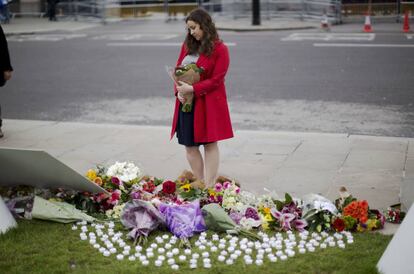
[372,168]
[30,25]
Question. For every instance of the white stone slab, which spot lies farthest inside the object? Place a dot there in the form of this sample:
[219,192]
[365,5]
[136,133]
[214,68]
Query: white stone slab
[6,218]
[398,256]
[38,168]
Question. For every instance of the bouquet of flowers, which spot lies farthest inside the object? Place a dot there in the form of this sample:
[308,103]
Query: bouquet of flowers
[183,220]
[319,212]
[142,218]
[394,215]
[217,219]
[190,74]
[117,179]
[288,215]
[356,214]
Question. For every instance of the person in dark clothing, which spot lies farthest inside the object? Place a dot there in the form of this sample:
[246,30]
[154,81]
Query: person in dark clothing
[5,66]
[52,9]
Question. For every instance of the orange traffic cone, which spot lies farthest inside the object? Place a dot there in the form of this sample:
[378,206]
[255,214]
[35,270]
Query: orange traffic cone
[367,25]
[325,22]
[406,27]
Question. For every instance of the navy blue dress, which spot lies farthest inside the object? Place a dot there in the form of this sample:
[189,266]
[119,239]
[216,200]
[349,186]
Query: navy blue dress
[185,128]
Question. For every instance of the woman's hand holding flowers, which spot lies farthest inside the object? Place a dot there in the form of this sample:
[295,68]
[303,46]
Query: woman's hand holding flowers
[184,88]
[181,98]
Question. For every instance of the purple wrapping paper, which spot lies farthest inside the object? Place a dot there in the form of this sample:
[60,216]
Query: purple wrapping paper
[142,217]
[183,220]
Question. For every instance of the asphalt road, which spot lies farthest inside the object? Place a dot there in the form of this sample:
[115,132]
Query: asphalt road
[343,81]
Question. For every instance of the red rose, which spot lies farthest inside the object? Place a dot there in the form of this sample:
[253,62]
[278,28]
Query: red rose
[149,187]
[339,225]
[168,187]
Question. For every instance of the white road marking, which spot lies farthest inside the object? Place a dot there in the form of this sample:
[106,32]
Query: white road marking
[153,44]
[43,37]
[128,37]
[330,37]
[349,45]
[409,36]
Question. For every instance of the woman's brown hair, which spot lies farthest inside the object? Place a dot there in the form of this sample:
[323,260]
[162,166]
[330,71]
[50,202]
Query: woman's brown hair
[210,35]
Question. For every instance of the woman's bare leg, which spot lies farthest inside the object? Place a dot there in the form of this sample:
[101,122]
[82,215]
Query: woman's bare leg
[195,160]
[212,159]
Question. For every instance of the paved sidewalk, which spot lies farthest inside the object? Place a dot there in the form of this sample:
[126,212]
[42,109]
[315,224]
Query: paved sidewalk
[370,167]
[30,25]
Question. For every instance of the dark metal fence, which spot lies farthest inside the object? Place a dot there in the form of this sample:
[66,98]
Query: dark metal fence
[336,10]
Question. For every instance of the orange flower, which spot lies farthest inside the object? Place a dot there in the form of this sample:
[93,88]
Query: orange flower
[98,181]
[364,219]
[357,210]
[364,204]
[266,210]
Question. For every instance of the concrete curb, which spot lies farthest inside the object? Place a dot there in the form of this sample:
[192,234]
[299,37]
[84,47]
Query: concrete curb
[247,29]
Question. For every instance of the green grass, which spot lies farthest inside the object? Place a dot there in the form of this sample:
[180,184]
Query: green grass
[45,247]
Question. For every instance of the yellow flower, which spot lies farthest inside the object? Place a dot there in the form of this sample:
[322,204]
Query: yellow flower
[268,217]
[91,174]
[211,192]
[360,228]
[371,224]
[265,226]
[98,181]
[186,187]
[266,210]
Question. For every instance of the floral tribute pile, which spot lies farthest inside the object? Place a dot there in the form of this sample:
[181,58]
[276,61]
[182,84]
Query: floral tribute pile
[254,224]
[144,203]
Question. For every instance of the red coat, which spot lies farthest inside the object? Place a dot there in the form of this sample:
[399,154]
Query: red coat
[211,115]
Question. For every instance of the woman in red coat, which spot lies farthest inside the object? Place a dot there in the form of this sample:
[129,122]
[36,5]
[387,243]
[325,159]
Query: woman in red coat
[209,120]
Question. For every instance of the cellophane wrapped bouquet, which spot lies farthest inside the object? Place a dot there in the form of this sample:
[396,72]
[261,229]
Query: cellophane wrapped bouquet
[189,74]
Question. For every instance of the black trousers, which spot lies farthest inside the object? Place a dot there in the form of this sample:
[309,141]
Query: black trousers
[1,121]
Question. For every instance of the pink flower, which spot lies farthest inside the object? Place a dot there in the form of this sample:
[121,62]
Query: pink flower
[300,224]
[284,219]
[237,190]
[135,195]
[218,187]
[116,181]
[115,196]
[226,185]
[100,197]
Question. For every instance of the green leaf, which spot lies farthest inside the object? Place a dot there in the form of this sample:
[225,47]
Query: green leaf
[279,205]
[348,200]
[319,228]
[311,213]
[288,198]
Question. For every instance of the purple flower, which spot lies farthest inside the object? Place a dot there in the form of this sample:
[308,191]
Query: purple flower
[218,187]
[236,216]
[237,190]
[226,185]
[252,213]
[283,218]
[219,198]
[293,209]
[116,181]
[135,195]
[300,224]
